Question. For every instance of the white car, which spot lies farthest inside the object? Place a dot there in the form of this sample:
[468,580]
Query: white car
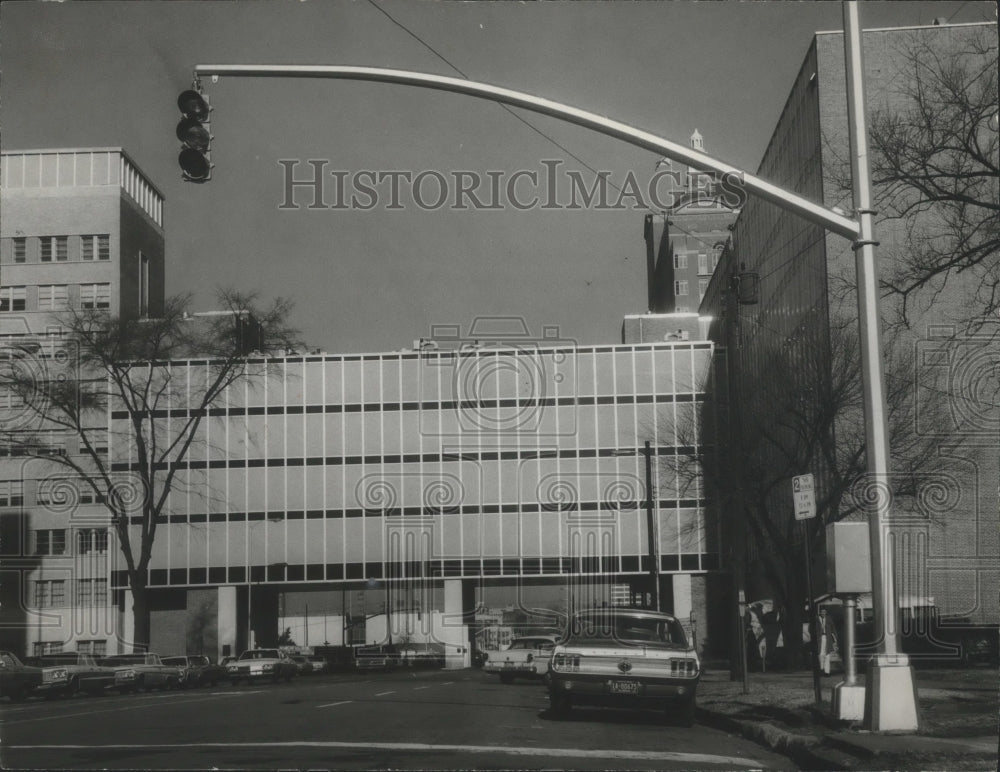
[622,657]
[527,656]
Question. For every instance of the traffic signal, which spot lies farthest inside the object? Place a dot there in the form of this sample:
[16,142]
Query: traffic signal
[193,131]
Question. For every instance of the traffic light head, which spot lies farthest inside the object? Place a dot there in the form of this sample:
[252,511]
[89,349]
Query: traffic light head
[195,158]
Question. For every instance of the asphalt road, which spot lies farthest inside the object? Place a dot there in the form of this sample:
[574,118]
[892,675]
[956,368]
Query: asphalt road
[404,720]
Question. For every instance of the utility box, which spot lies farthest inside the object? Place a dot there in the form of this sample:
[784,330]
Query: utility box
[848,559]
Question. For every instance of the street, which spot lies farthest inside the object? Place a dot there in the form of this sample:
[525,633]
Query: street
[405,719]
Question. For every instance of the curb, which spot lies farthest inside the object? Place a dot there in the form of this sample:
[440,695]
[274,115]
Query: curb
[807,752]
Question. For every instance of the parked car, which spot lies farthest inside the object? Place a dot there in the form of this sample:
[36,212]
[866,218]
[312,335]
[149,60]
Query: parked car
[302,664]
[17,680]
[527,656]
[376,658]
[196,670]
[134,672]
[320,665]
[67,673]
[262,664]
[627,658]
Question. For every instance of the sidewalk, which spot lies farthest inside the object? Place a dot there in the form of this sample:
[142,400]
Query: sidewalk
[958,720]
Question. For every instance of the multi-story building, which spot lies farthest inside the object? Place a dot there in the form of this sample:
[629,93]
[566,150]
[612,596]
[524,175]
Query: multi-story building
[684,243]
[945,530]
[81,228]
[424,474]
[413,477]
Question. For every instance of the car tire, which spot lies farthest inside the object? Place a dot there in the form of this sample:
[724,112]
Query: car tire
[507,678]
[559,705]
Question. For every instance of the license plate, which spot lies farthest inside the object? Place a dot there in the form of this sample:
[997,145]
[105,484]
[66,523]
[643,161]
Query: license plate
[509,665]
[623,687]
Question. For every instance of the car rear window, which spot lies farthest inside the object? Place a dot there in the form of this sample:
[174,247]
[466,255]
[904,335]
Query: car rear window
[628,629]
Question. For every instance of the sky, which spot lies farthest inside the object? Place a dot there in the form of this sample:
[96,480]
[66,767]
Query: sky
[107,74]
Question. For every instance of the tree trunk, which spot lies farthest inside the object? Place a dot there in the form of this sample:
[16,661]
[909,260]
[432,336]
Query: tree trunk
[140,617]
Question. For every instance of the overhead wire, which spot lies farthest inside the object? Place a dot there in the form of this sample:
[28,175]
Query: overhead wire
[523,120]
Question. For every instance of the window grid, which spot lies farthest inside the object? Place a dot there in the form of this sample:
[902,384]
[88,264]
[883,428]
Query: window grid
[50,593]
[50,541]
[680,261]
[20,249]
[11,493]
[95,295]
[12,298]
[681,287]
[96,647]
[57,246]
[39,648]
[52,296]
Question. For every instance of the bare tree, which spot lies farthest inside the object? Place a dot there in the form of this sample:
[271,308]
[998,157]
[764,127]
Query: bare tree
[936,171]
[124,367]
[804,413]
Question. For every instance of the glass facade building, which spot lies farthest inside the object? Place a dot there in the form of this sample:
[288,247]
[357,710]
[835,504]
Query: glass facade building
[466,462]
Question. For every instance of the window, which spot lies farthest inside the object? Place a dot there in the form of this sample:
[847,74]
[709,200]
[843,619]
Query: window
[143,285]
[702,287]
[97,648]
[95,296]
[12,298]
[99,246]
[50,541]
[680,261]
[52,296]
[11,493]
[703,266]
[55,246]
[20,249]
[681,309]
[38,648]
[92,592]
[92,540]
[50,593]
[681,287]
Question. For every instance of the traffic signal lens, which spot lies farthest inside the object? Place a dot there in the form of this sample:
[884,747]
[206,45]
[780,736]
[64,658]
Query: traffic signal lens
[193,134]
[194,165]
[193,105]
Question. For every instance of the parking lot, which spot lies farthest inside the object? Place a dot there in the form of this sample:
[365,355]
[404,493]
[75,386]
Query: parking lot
[410,719]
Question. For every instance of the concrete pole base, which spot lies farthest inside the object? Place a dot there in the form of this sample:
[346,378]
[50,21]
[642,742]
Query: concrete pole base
[848,701]
[891,695]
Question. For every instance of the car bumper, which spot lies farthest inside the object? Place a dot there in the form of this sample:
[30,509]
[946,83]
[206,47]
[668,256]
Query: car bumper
[513,668]
[605,690]
[52,687]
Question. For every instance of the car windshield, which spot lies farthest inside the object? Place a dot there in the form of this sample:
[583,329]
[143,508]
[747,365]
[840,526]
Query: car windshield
[260,654]
[175,661]
[48,660]
[628,628]
[531,643]
[200,661]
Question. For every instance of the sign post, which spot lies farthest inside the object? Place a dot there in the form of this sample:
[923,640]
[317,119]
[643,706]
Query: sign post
[804,499]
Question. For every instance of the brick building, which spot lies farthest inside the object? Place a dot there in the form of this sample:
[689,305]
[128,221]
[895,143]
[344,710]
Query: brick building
[945,531]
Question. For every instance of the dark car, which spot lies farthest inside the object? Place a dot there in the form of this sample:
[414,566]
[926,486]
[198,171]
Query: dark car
[196,670]
[623,657]
[377,658]
[17,680]
[67,673]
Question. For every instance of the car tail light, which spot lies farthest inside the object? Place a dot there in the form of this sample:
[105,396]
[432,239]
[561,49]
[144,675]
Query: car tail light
[684,667]
[566,662]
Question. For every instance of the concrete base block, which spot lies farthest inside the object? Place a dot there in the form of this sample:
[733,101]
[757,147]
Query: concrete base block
[891,695]
[848,701]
